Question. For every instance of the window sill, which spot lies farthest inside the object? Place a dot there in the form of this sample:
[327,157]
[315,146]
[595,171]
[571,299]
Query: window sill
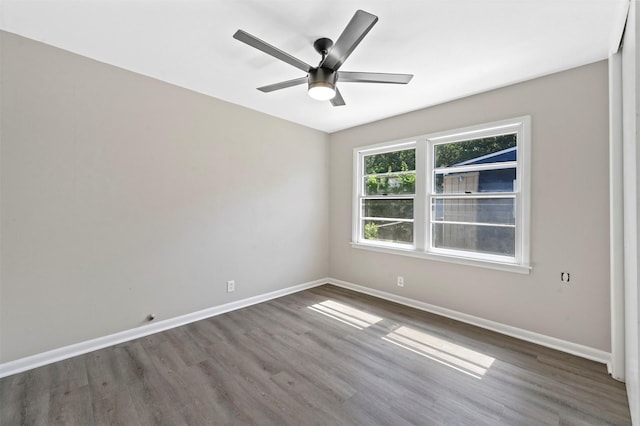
[410,252]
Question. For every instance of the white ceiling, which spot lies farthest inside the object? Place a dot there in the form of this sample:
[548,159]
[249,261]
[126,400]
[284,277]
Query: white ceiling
[453,48]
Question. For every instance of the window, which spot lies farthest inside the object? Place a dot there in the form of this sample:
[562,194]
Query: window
[387,196]
[460,195]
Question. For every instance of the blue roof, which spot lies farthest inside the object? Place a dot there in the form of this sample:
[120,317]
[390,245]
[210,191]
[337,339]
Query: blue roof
[509,154]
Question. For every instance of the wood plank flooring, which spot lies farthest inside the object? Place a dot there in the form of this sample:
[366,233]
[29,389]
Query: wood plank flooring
[324,356]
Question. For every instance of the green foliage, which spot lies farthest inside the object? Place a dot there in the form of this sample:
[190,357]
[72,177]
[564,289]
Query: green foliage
[390,161]
[397,161]
[458,152]
[372,185]
[392,184]
[409,180]
[370,231]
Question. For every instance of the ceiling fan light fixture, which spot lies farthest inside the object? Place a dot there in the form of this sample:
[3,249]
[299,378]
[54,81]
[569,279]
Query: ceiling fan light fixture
[322,90]
[322,84]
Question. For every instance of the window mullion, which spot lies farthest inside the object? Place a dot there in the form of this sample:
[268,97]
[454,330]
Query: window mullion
[356,208]
[387,197]
[420,211]
[474,195]
[390,174]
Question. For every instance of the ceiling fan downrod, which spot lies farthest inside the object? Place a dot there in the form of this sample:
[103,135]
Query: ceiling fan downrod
[322,46]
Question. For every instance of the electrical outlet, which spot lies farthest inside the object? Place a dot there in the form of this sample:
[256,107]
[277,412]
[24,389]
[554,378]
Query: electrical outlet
[231,286]
[400,281]
[565,277]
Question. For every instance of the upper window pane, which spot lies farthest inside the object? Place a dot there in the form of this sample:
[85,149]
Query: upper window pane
[404,183]
[494,149]
[389,162]
[390,173]
[496,180]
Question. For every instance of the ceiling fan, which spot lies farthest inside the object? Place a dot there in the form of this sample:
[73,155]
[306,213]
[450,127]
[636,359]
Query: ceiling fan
[323,78]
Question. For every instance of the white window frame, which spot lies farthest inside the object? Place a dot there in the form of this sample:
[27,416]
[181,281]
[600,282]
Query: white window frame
[421,246]
[360,154]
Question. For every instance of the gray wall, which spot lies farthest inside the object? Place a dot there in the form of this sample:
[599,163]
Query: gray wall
[122,195]
[569,223]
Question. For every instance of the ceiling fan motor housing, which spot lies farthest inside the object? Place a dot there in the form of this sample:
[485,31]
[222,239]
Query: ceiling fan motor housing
[322,75]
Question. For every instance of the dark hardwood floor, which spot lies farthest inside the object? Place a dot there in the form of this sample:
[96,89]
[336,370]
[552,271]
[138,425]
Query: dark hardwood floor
[322,356]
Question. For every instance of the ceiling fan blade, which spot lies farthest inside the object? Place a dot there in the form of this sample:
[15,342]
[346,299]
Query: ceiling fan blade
[337,99]
[283,84]
[373,77]
[356,29]
[254,41]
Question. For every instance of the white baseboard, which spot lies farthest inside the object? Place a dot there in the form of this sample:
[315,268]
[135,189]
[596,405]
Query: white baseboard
[59,354]
[65,352]
[529,336]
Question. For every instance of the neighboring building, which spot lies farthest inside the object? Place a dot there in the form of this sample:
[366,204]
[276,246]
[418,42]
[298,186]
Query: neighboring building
[472,221]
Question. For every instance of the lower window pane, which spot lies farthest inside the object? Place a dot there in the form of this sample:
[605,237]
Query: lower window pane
[388,231]
[479,210]
[475,238]
[396,208]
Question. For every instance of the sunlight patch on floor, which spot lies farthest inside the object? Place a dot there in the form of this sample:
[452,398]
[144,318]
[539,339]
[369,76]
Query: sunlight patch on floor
[345,314]
[442,351]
